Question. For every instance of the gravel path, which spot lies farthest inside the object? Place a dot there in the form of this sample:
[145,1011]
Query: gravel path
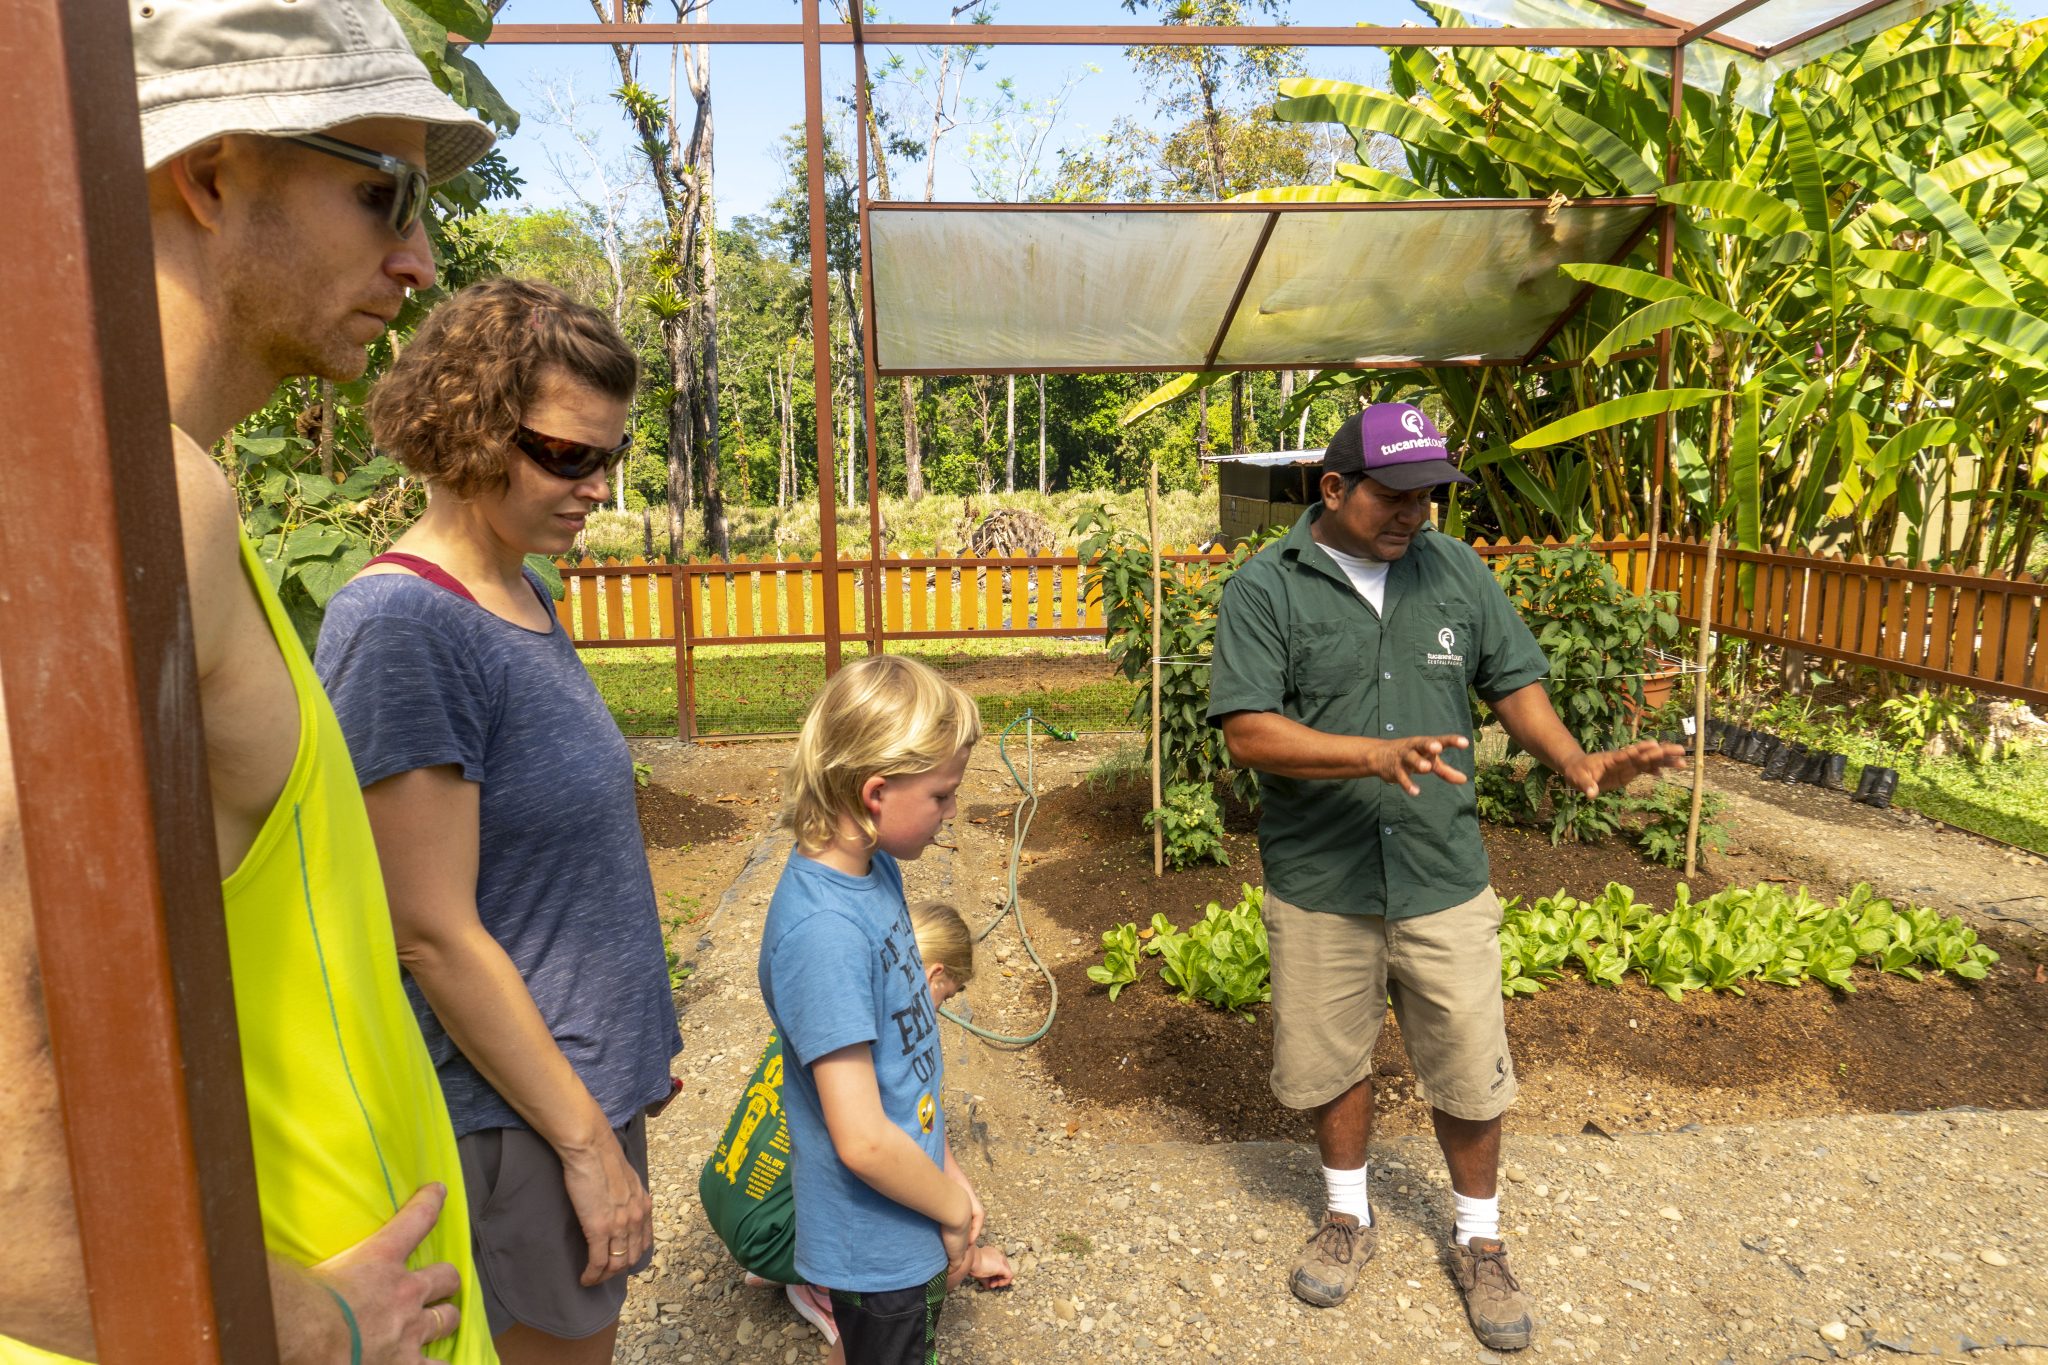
[1820,1239]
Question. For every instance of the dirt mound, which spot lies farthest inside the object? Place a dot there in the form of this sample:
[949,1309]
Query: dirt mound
[671,819]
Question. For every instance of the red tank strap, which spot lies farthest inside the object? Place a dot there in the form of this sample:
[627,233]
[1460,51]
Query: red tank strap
[428,570]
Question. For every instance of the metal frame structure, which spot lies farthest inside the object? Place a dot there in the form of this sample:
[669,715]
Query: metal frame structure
[102,708]
[117,846]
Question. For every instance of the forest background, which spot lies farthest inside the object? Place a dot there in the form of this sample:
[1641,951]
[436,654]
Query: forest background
[1861,288]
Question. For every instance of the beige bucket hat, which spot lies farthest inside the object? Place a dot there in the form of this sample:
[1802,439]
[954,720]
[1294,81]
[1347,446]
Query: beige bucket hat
[204,68]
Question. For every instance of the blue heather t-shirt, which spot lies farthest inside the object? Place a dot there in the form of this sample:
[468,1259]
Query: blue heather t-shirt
[839,966]
[421,678]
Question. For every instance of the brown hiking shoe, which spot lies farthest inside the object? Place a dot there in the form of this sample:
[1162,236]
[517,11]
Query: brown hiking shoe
[1328,1269]
[1493,1299]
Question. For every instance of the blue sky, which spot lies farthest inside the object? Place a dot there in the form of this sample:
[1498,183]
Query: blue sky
[757,92]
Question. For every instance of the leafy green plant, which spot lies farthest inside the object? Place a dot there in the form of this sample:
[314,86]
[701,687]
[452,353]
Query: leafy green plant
[1596,635]
[1125,765]
[1120,571]
[1856,292]
[1119,965]
[1933,717]
[1661,837]
[1741,934]
[1072,1244]
[678,970]
[1508,793]
[1193,825]
[642,774]
[1222,958]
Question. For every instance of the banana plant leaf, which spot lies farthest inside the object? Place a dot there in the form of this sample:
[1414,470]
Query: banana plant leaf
[1614,412]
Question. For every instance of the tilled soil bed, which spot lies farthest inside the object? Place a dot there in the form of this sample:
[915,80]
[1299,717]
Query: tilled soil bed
[1626,1058]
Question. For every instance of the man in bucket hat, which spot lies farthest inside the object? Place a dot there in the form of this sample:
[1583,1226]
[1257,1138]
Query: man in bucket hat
[289,145]
[1343,656]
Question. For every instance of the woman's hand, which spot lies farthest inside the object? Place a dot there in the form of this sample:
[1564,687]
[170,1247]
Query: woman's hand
[611,1203]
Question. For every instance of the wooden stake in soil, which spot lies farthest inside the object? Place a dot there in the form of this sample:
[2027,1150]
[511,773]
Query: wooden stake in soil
[1152,531]
[1699,707]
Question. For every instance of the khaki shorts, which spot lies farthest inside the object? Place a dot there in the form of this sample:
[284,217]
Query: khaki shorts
[1332,975]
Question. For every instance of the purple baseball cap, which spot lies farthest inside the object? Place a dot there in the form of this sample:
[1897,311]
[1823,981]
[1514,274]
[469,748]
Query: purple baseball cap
[1394,443]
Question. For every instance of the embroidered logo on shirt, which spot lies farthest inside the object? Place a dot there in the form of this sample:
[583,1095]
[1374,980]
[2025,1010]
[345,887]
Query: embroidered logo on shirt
[1448,640]
[927,1112]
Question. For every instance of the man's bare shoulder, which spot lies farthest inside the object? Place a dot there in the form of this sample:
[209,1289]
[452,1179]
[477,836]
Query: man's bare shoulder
[206,503]
[210,523]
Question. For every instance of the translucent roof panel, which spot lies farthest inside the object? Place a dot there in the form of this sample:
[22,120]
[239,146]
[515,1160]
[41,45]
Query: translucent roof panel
[1775,23]
[1768,28]
[964,288]
[1418,284]
[968,287]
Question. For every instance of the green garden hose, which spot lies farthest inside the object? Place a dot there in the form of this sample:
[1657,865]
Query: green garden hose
[1021,826]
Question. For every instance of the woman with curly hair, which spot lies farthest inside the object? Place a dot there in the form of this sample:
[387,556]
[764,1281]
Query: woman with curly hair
[501,794]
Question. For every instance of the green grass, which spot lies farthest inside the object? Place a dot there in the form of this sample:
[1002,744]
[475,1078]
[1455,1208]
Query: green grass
[2006,799]
[765,689]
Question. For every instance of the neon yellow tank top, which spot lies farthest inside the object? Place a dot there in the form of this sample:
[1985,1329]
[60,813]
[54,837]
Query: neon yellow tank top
[345,1113]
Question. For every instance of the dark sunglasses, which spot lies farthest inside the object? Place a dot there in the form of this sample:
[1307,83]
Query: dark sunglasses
[408,182]
[569,459]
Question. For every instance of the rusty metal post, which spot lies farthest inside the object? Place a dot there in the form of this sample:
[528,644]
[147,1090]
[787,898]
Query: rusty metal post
[1699,705]
[821,333]
[1158,800]
[876,586]
[682,618]
[102,705]
[1666,257]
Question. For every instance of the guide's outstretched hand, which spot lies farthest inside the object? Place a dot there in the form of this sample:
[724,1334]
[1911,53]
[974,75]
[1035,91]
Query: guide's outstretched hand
[1401,761]
[1613,769]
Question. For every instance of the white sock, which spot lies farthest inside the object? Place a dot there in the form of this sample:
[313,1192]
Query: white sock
[1476,1217]
[1344,1191]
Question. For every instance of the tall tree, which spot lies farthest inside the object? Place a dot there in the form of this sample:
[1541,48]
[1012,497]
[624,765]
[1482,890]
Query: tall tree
[605,189]
[685,296]
[1200,82]
[1006,159]
[933,84]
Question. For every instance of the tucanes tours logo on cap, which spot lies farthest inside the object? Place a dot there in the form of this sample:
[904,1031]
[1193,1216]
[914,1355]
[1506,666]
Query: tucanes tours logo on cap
[1447,640]
[1411,422]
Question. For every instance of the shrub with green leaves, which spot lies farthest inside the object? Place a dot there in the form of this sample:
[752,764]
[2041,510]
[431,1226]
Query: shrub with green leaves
[1661,837]
[1934,718]
[1119,965]
[1596,635]
[1193,825]
[1762,933]
[1120,570]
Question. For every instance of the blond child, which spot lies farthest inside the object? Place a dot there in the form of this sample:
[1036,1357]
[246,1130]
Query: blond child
[747,1187]
[888,1219]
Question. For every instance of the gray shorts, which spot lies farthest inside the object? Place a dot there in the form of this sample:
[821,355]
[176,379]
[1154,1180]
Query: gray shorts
[530,1250]
[1333,974]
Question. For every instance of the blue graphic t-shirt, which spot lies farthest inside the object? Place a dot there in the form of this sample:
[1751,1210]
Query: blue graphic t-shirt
[839,966]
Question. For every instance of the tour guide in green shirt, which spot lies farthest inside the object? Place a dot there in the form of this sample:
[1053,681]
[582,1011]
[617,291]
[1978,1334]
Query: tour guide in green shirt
[1343,656]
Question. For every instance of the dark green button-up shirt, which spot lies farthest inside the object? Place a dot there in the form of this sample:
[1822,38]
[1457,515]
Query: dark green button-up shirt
[1294,636]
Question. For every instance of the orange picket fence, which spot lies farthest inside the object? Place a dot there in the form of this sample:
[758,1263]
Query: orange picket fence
[1987,632]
